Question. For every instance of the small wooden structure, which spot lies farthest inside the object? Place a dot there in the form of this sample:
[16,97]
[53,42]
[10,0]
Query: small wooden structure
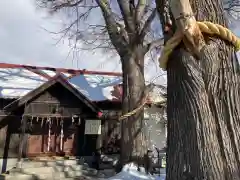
[51,120]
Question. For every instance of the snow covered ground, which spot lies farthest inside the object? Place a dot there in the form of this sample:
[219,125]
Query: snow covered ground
[130,172]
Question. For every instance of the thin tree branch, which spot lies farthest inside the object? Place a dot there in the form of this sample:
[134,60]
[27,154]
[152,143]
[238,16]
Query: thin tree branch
[140,11]
[66,4]
[147,24]
[65,31]
[111,24]
[125,9]
[163,9]
[149,88]
[155,44]
[132,7]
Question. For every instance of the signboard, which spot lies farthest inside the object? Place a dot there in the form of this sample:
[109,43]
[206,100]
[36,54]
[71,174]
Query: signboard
[93,127]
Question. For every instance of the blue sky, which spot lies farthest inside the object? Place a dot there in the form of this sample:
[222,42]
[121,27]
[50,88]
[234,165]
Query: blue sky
[23,40]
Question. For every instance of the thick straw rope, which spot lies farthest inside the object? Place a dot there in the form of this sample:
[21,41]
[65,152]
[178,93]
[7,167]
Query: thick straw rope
[131,113]
[205,27]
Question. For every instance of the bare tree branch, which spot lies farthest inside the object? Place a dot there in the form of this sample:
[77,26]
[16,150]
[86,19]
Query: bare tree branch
[125,8]
[100,35]
[147,24]
[140,11]
[111,24]
[231,5]
[155,44]
[58,6]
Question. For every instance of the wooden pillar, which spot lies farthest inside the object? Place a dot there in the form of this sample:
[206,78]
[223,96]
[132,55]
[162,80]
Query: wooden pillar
[99,141]
[6,149]
[22,137]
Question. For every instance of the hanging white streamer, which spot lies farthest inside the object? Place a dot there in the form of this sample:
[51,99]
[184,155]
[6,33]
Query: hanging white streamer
[72,119]
[61,136]
[49,134]
[31,122]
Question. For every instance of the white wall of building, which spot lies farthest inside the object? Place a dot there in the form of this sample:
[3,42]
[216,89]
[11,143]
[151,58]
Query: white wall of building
[155,127]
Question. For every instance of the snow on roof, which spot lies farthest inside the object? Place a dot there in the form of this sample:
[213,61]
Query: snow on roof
[95,87]
[17,82]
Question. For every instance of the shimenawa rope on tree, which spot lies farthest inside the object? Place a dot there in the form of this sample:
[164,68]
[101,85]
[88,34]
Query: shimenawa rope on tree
[131,113]
[205,27]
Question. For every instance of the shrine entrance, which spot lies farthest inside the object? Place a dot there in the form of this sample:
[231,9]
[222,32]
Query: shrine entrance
[60,137]
[53,121]
[53,136]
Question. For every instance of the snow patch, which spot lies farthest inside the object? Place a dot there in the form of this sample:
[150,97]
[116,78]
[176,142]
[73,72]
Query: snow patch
[130,172]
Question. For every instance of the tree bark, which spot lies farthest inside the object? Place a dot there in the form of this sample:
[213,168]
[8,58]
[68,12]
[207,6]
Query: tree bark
[133,138]
[128,42]
[204,106]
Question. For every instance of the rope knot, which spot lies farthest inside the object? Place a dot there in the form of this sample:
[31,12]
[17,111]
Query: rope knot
[205,27]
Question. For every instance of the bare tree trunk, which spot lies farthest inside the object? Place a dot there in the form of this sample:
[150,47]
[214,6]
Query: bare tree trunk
[204,107]
[133,138]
